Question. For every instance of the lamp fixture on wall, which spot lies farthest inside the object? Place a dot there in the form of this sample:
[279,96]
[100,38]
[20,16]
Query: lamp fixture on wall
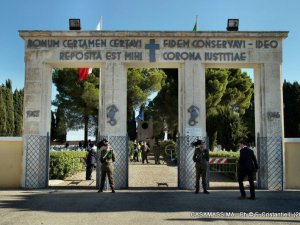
[233,25]
[74,24]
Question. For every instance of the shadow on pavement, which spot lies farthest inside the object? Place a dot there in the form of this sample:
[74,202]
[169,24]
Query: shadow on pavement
[167,201]
[273,220]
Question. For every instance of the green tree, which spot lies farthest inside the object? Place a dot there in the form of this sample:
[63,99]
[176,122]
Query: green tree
[230,128]
[78,99]
[249,120]
[164,107]
[238,92]
[153,110]
[212,119]
[3,112]
[224,87]
[227,89]
[18,97]
[60,124]
[10,122]
[216,83]
[141,83]
[291,101]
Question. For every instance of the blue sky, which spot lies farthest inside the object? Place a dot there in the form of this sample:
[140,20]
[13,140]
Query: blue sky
[254,15]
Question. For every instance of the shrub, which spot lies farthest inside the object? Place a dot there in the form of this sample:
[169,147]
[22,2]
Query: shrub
[130,148]
[65,163]
[233,155]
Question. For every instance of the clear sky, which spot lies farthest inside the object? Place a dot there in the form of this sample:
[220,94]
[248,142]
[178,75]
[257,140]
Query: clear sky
[254,15]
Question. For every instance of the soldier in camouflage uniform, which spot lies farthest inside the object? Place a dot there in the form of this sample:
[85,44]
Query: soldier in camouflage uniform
[107,157]
[201,158]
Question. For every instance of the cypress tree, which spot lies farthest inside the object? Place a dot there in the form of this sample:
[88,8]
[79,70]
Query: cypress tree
[18,112]
[10,126]
[3,113]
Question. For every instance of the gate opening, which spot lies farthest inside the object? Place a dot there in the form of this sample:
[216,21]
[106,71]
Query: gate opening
[74,127]
[152,124]
[230,119]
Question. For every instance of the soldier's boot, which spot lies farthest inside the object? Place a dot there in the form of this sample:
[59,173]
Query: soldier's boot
[205,191]
[197,190]
[112,189]
[204,188]
[100,190]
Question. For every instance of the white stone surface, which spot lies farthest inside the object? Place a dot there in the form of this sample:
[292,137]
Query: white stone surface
[42,56]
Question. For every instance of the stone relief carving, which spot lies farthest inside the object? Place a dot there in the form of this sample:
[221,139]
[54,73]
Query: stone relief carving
[194,111]
[111,113]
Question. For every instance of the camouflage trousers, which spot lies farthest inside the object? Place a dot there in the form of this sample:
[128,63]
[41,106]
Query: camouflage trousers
[107,169]
[201,170]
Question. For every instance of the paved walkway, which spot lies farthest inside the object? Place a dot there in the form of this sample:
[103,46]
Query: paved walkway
[145,203]
[146,176]
[47,207]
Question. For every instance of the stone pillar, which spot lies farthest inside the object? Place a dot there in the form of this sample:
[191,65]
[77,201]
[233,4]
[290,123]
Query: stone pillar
[37,122]
[113,117]
[192,121]
[113,92]
[269,125]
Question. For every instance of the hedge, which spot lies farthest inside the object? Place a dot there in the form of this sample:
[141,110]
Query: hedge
[222,154]
[65,163]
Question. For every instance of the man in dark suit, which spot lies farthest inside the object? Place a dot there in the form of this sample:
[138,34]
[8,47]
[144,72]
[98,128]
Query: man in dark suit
[91,162]
[247,167]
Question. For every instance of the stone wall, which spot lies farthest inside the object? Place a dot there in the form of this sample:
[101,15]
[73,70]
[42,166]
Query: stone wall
[10,162]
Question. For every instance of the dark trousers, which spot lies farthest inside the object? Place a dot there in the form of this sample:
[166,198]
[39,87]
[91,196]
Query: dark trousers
[135,157]
[250,176]
[144,157]
[89,171]
[156,157]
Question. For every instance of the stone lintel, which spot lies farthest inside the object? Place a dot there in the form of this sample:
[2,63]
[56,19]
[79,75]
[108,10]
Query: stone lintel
[172,34]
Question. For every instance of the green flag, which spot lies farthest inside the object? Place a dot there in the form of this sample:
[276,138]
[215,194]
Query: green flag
[196,24]
[195,27]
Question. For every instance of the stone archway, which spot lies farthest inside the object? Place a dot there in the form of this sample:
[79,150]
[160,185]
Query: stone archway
[190,52]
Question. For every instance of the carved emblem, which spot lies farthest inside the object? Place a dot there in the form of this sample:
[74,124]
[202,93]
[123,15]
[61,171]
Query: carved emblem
[194,111]
[111,113]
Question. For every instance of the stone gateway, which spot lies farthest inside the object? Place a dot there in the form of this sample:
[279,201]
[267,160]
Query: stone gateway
[113,52]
